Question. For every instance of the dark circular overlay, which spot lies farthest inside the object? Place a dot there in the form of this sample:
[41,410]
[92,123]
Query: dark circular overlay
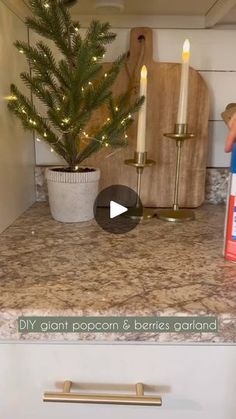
[121,195]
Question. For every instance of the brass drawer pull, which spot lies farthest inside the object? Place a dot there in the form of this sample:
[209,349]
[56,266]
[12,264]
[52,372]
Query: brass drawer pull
[137,399]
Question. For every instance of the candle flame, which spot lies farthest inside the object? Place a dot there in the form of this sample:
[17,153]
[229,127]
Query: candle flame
[144,73]
[186,50]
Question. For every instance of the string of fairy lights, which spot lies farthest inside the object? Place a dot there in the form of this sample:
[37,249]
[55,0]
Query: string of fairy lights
[66,120]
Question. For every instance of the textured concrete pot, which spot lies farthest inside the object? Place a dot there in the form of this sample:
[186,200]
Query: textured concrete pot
[72,194]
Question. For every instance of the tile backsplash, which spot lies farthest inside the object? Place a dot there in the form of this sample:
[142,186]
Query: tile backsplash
[216,184]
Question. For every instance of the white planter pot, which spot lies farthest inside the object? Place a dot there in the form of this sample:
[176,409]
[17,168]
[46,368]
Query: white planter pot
[72,194]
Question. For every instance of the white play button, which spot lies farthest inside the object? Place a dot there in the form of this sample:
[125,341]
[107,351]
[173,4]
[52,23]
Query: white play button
[110,206]
[116,209]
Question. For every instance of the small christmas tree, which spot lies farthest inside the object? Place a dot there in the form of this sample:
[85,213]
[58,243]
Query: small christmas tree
[71,88]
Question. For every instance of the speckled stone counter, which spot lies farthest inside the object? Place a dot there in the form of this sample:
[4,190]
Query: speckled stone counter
[158,269]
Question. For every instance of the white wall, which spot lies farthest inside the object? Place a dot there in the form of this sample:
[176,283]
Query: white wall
[17,190]
[212,54]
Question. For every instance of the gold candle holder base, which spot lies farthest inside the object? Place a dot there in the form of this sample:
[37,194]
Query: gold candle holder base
[139,161]
[176,214]
[136,213]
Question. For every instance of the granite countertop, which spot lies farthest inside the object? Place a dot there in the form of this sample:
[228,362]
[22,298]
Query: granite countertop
[158,269]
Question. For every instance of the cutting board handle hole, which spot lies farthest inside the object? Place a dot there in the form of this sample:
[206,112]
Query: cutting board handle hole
[141,38]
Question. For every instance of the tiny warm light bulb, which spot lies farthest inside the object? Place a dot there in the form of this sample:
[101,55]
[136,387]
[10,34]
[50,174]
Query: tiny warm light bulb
[52,150]
[10,97]
[186,50]
[144,73]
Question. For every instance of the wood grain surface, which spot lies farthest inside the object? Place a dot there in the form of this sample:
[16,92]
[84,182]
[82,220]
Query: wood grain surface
[162,105]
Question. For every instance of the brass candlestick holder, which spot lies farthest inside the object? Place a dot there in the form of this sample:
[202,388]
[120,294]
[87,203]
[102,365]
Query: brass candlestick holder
[139,161]
[177,214]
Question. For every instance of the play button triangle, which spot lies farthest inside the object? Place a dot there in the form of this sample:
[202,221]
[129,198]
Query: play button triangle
[116,209]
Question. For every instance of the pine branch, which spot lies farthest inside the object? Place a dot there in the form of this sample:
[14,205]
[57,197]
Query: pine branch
[73,88]
[40,65]
[37,88]
[52,22]
[112,133]
[42,62]
[51,63]
[31,120]
[102,91]
[94,146]
[98,33]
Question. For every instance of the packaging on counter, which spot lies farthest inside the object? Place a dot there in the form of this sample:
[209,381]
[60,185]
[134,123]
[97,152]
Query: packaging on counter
[230,220]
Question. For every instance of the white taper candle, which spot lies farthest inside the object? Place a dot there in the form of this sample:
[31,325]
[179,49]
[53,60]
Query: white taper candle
[141,135]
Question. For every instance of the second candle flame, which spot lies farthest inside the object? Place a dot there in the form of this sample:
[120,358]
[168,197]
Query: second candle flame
[144,72]
[186,50]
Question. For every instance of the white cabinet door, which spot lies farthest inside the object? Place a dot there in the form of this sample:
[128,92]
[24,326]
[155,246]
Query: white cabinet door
[195,382]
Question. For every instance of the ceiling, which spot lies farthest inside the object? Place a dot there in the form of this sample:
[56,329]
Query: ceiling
[208,12]
[147,7]
[229,18]
[153,13]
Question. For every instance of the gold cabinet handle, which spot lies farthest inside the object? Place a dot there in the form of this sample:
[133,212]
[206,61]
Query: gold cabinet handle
[137,399]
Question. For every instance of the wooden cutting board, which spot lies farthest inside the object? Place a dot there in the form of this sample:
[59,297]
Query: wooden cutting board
[162,106]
